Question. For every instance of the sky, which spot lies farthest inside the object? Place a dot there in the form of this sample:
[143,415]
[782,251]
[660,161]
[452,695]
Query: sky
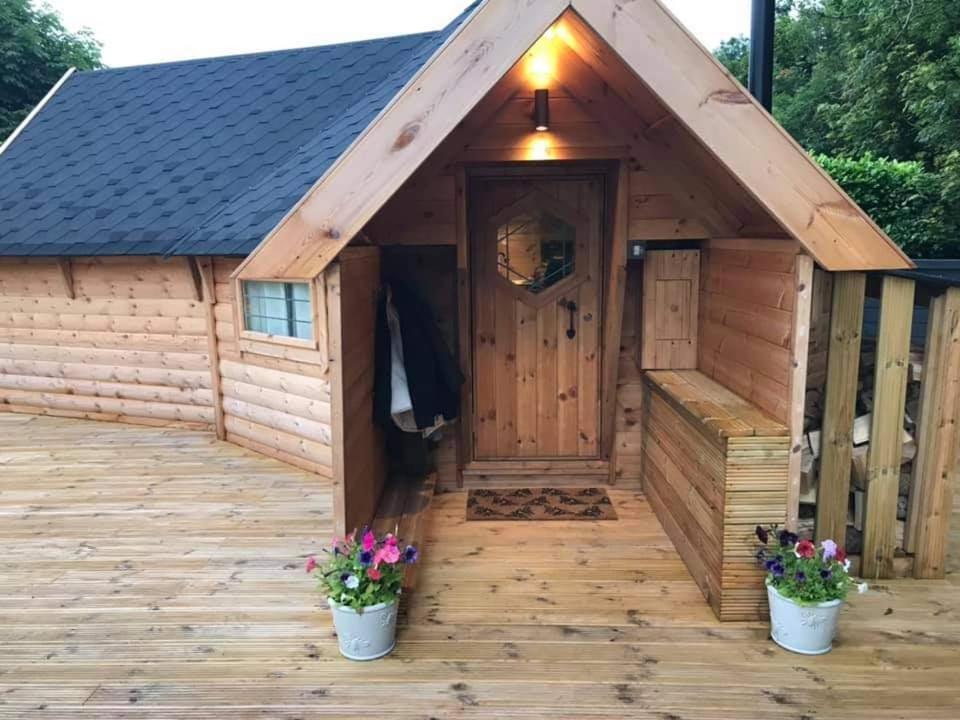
[135,32]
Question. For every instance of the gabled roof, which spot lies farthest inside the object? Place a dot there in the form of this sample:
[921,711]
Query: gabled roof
[651,47]
[196,157]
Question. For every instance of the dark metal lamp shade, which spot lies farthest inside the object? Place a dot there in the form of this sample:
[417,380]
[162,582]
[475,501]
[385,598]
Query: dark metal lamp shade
[541,110]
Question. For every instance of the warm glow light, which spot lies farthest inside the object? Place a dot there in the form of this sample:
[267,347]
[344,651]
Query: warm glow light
[540,148]
[564,34]
[541,64]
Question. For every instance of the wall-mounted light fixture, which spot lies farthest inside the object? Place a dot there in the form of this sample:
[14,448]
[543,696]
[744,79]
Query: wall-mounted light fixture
[541,110]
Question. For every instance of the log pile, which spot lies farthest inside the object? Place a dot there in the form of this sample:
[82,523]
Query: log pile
[810,464]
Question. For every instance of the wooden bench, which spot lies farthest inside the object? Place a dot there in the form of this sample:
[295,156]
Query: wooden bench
[714,467]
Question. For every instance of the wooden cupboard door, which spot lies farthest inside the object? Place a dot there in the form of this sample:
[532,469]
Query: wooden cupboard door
[671,296]
[536,248]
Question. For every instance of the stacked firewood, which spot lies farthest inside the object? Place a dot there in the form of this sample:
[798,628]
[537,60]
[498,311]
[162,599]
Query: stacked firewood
[810,464]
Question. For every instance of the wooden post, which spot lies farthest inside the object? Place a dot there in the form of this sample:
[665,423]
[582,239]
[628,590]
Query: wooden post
[799,349]
[613,312]
[843,366]
[464,323]
[935,469]
[335,340]
[204,268]
[886,431]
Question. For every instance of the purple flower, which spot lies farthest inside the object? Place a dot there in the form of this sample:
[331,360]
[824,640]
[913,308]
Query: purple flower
[800,577]
[787,538]
[777,570]
[829,549]
[366,557]
[762,534]
[410,555]
[826,573]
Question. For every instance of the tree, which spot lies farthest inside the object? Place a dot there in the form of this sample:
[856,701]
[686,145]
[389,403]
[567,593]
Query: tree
[35,50]
[866,80]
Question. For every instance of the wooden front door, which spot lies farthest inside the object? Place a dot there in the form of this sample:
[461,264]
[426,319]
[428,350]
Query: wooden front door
[536,252]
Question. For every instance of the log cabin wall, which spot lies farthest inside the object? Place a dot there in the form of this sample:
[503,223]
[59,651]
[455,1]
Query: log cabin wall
[747,295]
[122,339]
[276,399]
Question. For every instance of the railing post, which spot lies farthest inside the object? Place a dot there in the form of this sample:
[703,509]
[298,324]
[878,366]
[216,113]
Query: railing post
[935,469]
[799,349]
[843,366]
[891,366]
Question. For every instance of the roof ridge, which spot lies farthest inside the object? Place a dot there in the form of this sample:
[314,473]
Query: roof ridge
[260,53]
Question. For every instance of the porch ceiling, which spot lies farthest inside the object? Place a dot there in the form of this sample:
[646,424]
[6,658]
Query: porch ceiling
[158,573]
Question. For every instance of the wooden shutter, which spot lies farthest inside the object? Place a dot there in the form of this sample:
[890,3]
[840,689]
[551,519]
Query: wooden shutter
[671,288]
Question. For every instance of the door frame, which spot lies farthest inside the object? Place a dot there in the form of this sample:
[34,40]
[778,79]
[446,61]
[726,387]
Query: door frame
[613,256]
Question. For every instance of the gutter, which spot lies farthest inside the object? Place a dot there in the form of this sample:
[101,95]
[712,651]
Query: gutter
[33,113]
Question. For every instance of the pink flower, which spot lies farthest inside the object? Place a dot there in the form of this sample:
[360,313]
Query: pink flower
[391,553]
[391,540]
[369,540]
[373,574]
[311,564]
[378,557]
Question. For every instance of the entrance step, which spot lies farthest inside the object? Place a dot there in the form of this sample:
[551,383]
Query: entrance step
[549,473]
[402,511]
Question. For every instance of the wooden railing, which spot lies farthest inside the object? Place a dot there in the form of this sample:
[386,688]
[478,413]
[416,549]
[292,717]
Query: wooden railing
[922,551]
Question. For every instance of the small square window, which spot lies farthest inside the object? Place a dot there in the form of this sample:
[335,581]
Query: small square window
[278,308]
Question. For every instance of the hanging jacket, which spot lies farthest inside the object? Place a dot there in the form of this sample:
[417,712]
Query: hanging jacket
[433,376]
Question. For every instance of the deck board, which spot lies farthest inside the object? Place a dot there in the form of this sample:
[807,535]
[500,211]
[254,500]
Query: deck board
[150,573]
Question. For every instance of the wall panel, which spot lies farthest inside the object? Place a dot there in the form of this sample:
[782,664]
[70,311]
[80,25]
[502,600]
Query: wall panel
[130,345]
[747,292]
[272,404]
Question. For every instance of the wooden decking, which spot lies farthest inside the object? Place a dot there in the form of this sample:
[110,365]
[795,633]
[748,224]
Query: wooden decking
[151,573]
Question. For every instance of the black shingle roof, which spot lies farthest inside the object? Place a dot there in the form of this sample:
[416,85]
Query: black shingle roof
[199,157]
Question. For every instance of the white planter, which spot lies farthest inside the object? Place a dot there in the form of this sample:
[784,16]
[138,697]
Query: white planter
[805,629]
[366,635]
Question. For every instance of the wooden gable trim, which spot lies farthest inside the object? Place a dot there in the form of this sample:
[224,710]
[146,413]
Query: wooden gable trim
[679,71]
[409,129]
[730,123]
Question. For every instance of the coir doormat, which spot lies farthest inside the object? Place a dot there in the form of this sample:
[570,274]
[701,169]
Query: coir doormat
[540,504]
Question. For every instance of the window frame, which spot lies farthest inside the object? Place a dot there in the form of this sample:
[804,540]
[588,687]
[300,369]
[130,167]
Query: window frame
[243,332]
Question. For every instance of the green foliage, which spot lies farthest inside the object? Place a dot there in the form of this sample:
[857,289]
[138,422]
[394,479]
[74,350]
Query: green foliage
[365,572]
[860,80]
[804,572]
[35,51]
[901,196]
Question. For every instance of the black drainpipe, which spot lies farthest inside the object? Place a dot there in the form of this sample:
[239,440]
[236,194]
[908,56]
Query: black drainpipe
[761,51]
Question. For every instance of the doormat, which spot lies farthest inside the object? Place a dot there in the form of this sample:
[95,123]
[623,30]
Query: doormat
[540,504]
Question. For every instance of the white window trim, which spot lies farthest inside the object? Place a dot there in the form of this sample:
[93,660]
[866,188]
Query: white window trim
[240,316]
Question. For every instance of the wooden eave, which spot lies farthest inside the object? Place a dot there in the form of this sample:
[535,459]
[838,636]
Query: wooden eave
[641,36]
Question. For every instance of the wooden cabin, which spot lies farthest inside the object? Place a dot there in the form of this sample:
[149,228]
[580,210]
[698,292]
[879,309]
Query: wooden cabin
[616,241]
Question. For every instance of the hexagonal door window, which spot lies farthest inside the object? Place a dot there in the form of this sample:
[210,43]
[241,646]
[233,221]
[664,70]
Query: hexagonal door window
[536,250]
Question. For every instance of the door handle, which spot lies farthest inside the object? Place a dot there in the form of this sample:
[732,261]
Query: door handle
[571,306]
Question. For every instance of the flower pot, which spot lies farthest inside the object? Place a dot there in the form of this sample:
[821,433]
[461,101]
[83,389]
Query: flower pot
[365,635]
[805,629]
